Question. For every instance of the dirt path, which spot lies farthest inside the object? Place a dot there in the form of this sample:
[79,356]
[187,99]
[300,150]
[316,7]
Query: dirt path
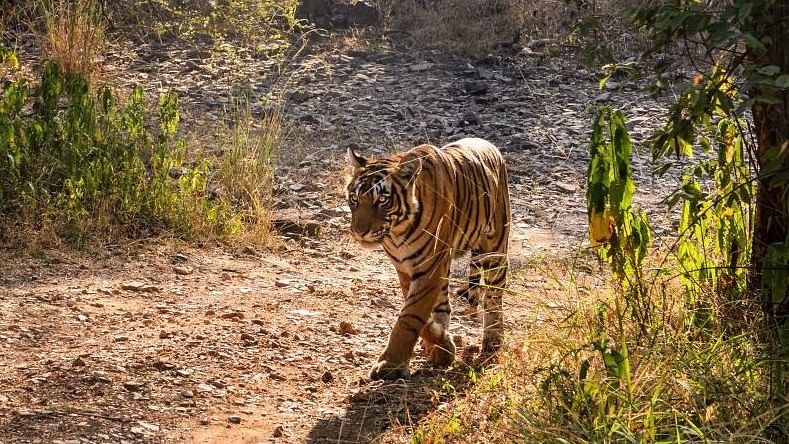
[162,342]
[180,345]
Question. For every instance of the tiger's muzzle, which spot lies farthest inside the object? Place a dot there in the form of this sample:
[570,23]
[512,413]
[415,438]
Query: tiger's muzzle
[369,237]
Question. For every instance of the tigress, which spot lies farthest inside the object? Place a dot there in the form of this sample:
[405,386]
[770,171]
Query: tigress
[425,206]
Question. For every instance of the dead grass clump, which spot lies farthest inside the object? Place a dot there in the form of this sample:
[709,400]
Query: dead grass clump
[244,166]
[74,35]
[472,27]
[480,27]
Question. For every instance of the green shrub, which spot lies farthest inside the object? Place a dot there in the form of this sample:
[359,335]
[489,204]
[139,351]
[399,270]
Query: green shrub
[78,161]
[639,360]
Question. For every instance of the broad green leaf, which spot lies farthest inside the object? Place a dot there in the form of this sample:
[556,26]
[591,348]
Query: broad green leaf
[752,41]
[769,70]
[583,372]
[614,363]
[782,81]
[769,100]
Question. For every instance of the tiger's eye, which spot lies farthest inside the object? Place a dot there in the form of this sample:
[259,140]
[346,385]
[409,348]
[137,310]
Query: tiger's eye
[383,199]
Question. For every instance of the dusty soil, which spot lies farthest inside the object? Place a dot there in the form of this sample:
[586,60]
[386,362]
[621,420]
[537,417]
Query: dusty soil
[167,343]
[163,342]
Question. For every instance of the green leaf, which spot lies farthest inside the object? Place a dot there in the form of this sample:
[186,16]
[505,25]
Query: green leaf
[752,42]
[769,70]
[768,100]
[661,169]
[614,363]
[782,81]
[584,371]
[744,10]
[604,79]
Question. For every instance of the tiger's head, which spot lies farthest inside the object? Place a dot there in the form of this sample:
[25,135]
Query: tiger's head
[382,195]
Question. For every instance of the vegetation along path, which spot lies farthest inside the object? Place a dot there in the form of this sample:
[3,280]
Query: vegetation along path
[177,265]
[166,342]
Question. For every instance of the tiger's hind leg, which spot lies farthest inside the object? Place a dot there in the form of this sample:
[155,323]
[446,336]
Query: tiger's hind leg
[494,279]
[470,290]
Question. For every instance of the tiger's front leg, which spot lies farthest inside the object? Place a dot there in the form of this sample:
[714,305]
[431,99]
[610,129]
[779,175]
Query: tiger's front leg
[425,313]
[440,347]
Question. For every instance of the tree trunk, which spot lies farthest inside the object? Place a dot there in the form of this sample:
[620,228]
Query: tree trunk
[771,121]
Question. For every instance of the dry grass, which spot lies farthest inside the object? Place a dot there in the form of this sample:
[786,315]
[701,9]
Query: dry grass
[477,27]
[467,26]
[553,384]
[244,174]
[74,35]
[480,27]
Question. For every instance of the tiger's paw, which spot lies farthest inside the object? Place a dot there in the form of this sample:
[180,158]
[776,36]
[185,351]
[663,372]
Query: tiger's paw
[389,370]
[442,355]
[490,348]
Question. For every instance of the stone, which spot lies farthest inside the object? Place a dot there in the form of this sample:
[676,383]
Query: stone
[485,74]
[232,315]
[234,419]
[148,426]
[299,96]
[420,67]
[346,328]
[102,377]
[603,98]
[566,187]
[476,87]
[310,9]
[140,286]
[469,118]
[182,270]
[335,212]
[248,338]
[132,386]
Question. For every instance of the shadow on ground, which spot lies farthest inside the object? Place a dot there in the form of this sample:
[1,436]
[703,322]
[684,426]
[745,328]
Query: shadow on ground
[385,406]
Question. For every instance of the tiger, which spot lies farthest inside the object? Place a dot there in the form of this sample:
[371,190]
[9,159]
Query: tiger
[426,206]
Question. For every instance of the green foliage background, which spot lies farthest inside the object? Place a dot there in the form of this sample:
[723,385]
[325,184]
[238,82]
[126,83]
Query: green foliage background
[74,160]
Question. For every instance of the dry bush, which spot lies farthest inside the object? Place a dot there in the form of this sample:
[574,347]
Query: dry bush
[479,27]
[74,35]
[475,27]
[244,174]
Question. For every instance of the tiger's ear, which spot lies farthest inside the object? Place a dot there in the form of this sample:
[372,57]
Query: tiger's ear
[355,161]
[410,165]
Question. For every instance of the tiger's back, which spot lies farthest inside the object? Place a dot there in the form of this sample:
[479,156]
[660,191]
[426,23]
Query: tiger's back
[481,197]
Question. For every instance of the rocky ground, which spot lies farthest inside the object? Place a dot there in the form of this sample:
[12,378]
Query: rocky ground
[163,342]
